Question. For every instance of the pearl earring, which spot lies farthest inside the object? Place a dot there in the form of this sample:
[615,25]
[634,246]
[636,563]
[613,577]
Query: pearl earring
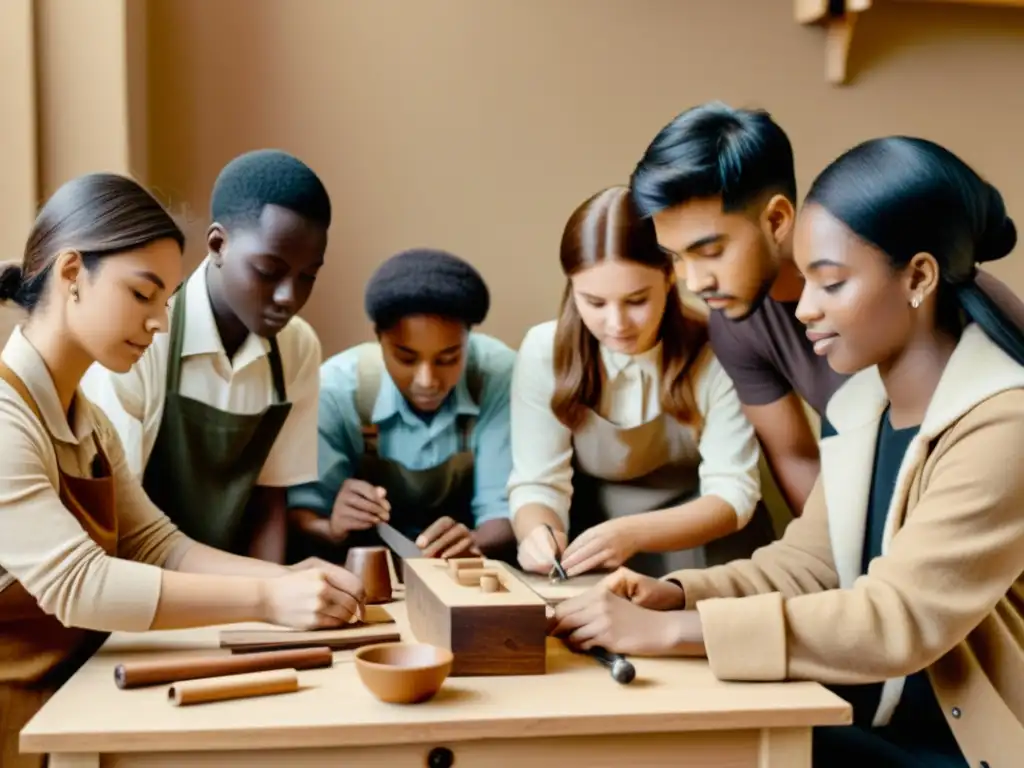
[915,302]
[74,291]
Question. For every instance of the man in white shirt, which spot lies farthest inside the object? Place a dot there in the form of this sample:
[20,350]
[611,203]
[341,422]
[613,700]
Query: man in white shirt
[219,417]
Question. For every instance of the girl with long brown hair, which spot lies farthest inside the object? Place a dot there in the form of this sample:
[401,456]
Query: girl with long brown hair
[627,436]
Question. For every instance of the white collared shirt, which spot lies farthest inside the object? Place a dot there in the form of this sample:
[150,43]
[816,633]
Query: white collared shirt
[134,401]
[631,395]
[42,544]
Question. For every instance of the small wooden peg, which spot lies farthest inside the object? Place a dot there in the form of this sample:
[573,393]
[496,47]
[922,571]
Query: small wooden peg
[489,583]
[458,563]
[470,577]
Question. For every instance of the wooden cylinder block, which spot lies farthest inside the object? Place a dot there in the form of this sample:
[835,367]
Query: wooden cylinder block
[470,577]
[489,583]
[458,563]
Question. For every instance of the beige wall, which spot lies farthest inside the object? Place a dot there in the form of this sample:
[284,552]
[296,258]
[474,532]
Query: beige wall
[478,125]
[469,124]
[64,91]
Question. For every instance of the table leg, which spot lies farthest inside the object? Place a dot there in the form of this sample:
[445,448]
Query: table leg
[784,748]
[74,760]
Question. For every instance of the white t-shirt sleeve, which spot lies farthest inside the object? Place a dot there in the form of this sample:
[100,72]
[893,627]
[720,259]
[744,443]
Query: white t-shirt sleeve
[729,449]
[293,458]
[132,402]
[541,445]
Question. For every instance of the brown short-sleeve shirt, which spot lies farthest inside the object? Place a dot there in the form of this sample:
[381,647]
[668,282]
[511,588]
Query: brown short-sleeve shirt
[768,355]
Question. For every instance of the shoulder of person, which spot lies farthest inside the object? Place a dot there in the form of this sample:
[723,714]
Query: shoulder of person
[986,440]
[727,334]
[17,418]
[538,343]
[300,348]
[103,428]
[707,373]
[339,373]
[490,355]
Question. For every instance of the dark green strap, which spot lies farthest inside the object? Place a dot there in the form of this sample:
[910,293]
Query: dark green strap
[178,344]
[277,371]
[177,341]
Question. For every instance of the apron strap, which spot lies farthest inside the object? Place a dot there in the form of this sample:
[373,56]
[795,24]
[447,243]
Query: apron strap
[475,387]
[15,382]
[369,368]
[177,341]
[466,423]
[277,371]
[100,463]
[178,320]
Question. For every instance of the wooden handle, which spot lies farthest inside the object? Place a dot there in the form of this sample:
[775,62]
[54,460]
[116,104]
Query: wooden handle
[254,641]
[456,564]
[234,687]
[141,673]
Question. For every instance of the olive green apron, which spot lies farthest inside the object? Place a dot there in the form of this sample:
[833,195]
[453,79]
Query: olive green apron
[205,462]
[418,497]
[38,654]
[620,471]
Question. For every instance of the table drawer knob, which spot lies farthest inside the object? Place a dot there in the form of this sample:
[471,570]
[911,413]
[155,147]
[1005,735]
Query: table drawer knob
[440,757]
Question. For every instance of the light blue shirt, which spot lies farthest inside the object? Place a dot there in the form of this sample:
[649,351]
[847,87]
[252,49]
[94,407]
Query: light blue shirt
[408,440]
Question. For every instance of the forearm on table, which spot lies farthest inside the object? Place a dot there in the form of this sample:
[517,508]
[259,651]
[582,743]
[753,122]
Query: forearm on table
[688,525]
[201,599]
[687,638]
[529,516]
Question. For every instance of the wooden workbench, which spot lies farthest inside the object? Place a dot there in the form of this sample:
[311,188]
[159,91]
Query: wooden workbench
[675,713]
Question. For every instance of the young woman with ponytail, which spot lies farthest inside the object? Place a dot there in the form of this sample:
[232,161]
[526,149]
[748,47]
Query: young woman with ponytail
[83,550]
[902,584]
[628,441]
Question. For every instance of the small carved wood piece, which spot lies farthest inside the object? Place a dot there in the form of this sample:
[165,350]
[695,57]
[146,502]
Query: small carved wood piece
[349,638]
[470,572]
[490,620]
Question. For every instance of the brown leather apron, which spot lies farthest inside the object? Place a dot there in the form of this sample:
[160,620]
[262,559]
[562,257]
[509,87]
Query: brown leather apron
[37,653]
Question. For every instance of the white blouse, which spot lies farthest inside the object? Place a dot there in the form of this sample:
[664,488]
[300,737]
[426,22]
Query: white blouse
[542,446]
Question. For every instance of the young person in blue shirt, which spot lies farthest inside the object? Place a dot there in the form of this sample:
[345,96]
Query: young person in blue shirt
[414,427]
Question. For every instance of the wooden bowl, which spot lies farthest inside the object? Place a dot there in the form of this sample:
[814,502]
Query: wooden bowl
[403,673]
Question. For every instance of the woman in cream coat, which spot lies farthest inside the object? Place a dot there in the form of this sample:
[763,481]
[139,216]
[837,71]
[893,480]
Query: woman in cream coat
[901,584]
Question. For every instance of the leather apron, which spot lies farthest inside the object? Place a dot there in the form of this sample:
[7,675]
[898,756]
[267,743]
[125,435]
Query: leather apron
[205,462]
[620,471]
[37,653]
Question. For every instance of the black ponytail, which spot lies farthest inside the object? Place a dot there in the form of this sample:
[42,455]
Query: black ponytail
[907,196]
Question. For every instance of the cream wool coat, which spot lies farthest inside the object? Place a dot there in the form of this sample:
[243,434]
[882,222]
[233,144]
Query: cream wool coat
[947,594]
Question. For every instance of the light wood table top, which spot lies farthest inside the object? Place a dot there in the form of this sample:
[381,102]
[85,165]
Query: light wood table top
[576,697]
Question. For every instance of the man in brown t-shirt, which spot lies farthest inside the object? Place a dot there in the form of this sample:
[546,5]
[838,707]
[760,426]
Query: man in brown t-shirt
[720,185]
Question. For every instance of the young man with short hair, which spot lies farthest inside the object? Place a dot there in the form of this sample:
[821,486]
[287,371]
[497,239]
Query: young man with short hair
[414,427]
[720,185]
[219,415]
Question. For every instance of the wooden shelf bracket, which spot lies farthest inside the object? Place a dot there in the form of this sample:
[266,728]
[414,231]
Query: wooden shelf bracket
[839,17]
